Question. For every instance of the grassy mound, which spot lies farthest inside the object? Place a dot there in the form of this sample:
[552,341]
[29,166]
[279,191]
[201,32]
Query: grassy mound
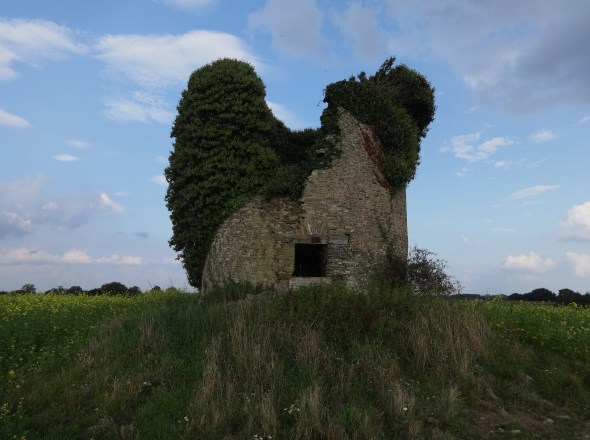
[321,362]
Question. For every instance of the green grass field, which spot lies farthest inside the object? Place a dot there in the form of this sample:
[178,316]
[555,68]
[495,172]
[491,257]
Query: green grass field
[320,363]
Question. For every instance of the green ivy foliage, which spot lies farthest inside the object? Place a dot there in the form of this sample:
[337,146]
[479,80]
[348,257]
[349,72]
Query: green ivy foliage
[399,102]
[222,155]
[297,153]
[228,145]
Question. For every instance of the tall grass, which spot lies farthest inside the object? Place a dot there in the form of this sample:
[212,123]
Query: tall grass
[327,363]
[321,362]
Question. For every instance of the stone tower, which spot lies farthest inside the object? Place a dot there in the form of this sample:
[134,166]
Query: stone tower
[339,230]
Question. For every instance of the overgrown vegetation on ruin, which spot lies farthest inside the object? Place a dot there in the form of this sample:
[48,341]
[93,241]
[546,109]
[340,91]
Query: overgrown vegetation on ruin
[228,146]
[399,103]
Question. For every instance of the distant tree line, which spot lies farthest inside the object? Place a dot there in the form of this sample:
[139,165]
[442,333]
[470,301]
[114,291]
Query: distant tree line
[114,288]
[563,296]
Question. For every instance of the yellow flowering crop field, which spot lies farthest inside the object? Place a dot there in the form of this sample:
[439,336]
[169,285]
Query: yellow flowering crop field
[39,332]
[564,329]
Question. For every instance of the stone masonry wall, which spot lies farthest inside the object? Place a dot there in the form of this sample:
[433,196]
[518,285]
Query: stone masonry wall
[348,207]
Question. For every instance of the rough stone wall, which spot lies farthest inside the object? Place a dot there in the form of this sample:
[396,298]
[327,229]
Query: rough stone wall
[348,207]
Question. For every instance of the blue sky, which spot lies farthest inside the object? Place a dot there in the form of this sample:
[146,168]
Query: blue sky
[88,92]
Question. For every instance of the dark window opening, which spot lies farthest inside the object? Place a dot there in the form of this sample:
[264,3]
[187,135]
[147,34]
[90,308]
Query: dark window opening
[310,260]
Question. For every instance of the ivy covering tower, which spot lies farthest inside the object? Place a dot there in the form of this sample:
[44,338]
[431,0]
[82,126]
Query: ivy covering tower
[221,155]
[230,148]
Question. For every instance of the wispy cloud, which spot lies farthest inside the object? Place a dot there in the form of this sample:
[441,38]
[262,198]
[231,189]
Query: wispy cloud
[581,263]
[532,191]
[141,107]
[282,113]
[160,60]
[25,206]
[12,223]
[106,201]
[29,255]
[583,120]
[521,163]
[468,147]
[359,24]
[31,42]
[284,20]
[66,158]
[543,135]
[188,5]
[157,61]
[505,51]
[11,120]
[160,180]
[576,226]
[79,144]
[463,171]
[530,262]
[122,260]
[503,164]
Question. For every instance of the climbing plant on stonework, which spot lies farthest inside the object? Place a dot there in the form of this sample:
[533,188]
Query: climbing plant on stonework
[221,155]
[399,103]
[228,146]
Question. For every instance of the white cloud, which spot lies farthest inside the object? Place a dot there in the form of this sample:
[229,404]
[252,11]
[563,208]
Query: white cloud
[28,255]
[294,26]
[25,206]
[24,255]
[79,144]
[532,191]
[106,201]
[543,135]
[581,263]
[502,164]
[532,164]
[507,51]
[463,171]
[577,224]
[530,261]
[76,256]
[466,146]
[360,24]
[121,260]
[66,158]
[50,206]
[12,223]
[141,107]
[12,120]
[160,180]
[161,60]
[521,163]
[188,5]
[583,120]
[33,41]
[285,115]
